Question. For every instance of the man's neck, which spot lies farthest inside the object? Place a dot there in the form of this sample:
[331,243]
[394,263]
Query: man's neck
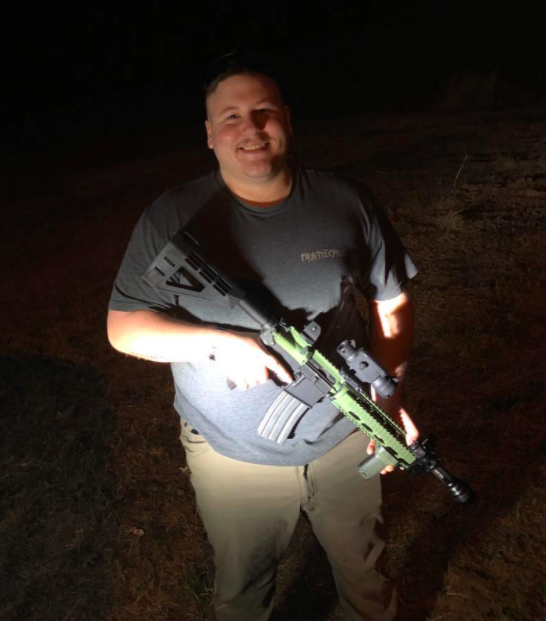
[262,194]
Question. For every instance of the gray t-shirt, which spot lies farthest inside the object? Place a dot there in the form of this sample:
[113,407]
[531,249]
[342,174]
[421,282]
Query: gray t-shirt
[302,260]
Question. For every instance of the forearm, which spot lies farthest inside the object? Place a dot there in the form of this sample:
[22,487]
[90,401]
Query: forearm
[391,337]
[159,337]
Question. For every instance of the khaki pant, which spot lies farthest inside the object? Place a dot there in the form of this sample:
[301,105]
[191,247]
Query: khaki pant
[250,512]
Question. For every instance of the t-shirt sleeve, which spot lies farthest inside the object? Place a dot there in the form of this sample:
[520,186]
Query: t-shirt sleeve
[130,292]
[388,265]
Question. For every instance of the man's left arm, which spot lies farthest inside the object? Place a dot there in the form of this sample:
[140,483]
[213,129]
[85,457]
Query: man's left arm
[391,337]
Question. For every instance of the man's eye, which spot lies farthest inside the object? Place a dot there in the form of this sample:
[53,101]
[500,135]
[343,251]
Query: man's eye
[232,117]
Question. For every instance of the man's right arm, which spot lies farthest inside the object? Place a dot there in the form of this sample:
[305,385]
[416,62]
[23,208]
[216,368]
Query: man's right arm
[159,337]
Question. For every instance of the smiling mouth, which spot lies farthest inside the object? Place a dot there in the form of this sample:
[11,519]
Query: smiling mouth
[254,147]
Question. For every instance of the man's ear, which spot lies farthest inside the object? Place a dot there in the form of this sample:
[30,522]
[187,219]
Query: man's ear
[209,134]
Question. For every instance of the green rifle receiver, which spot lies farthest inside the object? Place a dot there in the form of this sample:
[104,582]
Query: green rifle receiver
[180,268]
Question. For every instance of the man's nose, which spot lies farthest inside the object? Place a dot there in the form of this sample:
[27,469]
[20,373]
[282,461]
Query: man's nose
[254,122]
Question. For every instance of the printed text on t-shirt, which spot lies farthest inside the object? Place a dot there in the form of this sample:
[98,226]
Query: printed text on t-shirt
[329,253]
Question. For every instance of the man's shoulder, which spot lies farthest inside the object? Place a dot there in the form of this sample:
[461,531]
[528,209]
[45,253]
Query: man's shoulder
[184,200]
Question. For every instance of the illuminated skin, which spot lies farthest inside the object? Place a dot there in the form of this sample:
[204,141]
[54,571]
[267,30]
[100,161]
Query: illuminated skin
[391,336]
[248,127]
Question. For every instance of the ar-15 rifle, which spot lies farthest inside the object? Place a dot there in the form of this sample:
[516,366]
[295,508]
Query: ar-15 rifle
[316,377]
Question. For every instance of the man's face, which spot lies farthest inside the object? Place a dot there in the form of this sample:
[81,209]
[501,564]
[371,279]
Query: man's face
[248,127]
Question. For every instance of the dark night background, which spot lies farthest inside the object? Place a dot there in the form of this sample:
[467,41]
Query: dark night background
[75,69]
[437,107]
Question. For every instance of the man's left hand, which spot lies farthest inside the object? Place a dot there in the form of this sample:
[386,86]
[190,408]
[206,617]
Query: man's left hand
[412,434]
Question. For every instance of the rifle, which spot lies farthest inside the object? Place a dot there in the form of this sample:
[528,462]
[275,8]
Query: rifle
[315,378]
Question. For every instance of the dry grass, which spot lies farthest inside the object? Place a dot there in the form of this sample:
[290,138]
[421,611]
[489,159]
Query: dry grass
[97,514]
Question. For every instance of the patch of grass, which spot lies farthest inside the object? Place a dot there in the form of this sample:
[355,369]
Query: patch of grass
[198,585]
[450,222]
[59,519]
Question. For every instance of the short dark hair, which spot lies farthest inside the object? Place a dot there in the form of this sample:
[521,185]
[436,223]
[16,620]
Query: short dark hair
[238,63]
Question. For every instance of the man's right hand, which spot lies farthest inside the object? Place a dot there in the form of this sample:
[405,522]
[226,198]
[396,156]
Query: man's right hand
[244,360]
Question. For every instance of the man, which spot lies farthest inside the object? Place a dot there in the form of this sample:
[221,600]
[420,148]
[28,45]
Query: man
[303,241]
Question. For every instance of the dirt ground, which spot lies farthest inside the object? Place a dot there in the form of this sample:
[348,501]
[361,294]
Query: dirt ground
[98,519]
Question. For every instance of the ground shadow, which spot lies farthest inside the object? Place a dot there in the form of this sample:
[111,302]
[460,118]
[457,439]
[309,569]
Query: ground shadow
[58,518]
[311,593]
